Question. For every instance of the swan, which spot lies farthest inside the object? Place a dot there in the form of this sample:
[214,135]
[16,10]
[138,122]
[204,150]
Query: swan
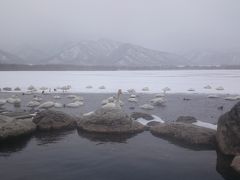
[158,101]
[75,104]
[220,88]
[89,87]
[145,89]
[133,96]
[191,89]
[160,95]
[56,97]
[14,100]
[131,91]
[33,104]
[78,98]
[38,99]
[17,89]
[207,87]
[102,87]
[108,100]
[132,99]
[46,105]
[31,88]
[71,96]
[58,105]
[234,98]
[2,102]
[147,107]
[65,88]
[43,88]
[166,89]
[213,96]
[116,104]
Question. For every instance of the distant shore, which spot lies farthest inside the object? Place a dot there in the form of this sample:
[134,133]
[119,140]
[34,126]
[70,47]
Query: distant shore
[68,67]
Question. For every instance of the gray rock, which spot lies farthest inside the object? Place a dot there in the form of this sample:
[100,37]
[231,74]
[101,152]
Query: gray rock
[153,123]
[54,120]
[109,121]
[228,132]
[136,115]
[186,119]
[7,89]
[188,134]
[236,164]
[11,127]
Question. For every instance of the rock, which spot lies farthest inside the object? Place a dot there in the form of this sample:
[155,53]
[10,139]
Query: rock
[228,132]
[11,127]
[188,134]
[186,119]
[54,120]
[7,89]
[236,164]
[136,115]
[153,123]
[109,121]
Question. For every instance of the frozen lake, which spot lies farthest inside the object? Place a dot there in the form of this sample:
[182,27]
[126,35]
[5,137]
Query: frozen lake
[179,81]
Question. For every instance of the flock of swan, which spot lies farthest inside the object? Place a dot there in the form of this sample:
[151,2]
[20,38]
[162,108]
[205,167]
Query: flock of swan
[77,101]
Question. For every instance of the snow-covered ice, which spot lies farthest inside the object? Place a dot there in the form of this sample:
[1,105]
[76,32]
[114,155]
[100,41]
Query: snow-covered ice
[179,81]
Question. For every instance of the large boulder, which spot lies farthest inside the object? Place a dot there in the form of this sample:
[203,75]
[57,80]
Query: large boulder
[228,132]
[54,120]
[11,127]
[188,134]
[109,121]
[236,164]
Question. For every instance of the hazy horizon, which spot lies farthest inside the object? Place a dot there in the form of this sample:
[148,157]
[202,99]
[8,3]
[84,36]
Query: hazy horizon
[175,26]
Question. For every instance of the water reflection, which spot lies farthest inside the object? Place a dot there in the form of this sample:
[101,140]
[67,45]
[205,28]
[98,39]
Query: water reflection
[49,137]
[12,145]
[223,167]
[183,144]
[103,137]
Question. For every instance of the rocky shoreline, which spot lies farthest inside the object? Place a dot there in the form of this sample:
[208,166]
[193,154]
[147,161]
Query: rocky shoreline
[119,124]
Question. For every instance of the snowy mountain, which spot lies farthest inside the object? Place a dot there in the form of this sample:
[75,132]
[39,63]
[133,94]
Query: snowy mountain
[207,57]
[112,53]
[8,58]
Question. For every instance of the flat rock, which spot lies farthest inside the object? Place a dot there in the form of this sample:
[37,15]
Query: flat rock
[228,132]
[186,119]
[54,120]
[136,115]
[109,121]
[188,134]
[11,127]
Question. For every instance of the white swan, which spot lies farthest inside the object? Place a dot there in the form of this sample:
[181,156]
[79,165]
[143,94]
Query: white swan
[72,96]
[220,88]
[213,96]
[133,100]
[78,98]
[39,99]
[14,100]
[147,107]
[2,102]
[191,89]
[116,104]
[58,105]
[158,101]
[89,87]
[160,95]
[102,87]
[145,89]
[56,97]
[75,104]
[207,87]
[33,104]
[47,105]
[232,98]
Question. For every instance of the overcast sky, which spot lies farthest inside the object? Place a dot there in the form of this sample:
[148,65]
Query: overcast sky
[168,25]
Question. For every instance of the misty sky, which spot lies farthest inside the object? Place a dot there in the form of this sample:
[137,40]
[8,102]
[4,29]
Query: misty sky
[168,25]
